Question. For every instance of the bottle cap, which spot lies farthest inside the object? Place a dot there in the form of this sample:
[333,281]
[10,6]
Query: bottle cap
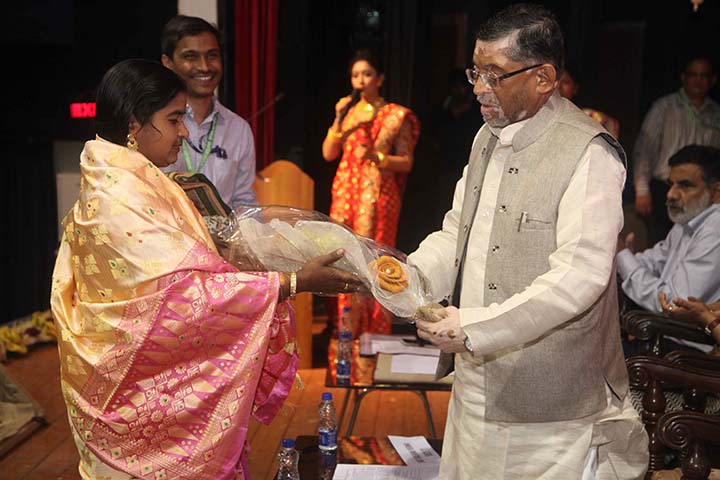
[326,396]
[345,335]
[288,443]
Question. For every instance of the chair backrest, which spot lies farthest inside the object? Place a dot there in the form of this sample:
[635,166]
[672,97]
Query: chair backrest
[284,183]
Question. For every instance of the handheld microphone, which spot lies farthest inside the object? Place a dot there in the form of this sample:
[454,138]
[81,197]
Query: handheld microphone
[354,99]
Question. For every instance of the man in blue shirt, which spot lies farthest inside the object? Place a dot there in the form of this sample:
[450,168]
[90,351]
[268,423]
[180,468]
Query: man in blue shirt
[687,262]
[220,144]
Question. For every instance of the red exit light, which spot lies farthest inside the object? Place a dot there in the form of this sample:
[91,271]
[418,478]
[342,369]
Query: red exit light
[82,110]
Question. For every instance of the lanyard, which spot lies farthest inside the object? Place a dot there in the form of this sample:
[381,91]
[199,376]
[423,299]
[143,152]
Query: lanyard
[206,150]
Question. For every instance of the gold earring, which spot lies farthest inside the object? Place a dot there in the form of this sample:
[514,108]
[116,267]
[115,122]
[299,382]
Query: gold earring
[131,142]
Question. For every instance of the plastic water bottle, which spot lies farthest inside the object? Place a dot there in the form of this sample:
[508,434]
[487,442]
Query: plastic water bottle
[327,426]
[288,461]
[344,358]
[326,464]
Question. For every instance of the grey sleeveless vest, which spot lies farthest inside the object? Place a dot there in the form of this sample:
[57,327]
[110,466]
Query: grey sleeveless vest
[562,375]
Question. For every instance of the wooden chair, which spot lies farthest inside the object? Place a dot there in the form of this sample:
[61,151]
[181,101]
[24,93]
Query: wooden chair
[284,183]
[674,397]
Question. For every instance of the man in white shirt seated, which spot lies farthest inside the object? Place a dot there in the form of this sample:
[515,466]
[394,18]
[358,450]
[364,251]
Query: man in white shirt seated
[687,262]
[220,144]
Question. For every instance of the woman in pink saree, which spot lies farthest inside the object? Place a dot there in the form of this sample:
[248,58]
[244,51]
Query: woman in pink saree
[166,349]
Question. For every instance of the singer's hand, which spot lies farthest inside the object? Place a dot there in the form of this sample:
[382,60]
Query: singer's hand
[341,104]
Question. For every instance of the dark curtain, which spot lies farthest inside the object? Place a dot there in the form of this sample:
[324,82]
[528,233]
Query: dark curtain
[408,34]
[255,27]
[400,50]
[30,233]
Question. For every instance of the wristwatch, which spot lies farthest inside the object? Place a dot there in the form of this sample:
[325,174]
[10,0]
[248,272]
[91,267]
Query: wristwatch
[712,326]
[468,344]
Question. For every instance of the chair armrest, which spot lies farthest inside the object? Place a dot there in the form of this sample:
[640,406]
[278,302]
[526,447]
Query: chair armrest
[641,369]
[646,326]
[694,359]
[696,434]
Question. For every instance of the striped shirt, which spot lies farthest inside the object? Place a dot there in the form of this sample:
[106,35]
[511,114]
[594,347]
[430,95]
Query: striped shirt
[672,123]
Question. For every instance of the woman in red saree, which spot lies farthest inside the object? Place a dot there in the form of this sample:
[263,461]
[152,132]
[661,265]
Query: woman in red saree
[166,349]
[376,140]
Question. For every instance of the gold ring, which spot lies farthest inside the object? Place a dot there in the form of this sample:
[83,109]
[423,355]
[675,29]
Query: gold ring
[670,308]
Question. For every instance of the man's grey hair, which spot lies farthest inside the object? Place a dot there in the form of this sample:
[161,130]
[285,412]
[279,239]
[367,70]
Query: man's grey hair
[535,34]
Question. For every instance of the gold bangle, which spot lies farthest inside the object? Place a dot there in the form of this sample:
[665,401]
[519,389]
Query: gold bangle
[337,136]
[293,285]
[382,160]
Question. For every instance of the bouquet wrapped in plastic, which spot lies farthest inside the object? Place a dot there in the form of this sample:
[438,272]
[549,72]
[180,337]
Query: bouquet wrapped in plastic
[275,238]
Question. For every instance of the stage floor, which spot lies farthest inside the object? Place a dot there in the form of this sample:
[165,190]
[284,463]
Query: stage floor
[50,453]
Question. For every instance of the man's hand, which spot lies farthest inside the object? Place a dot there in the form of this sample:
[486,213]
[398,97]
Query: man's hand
[445,333]
[432,312]
[643,205]
[628,243]
[691,310]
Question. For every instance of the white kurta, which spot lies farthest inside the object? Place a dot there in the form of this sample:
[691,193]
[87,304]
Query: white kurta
[609,445]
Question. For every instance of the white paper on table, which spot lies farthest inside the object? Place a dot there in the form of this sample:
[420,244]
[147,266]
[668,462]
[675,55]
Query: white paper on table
[414,364]
[385,472]
[414,450]
[372,343]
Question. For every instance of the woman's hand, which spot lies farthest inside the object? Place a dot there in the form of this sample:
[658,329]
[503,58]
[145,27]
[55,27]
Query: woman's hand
[341,104]
[318,276]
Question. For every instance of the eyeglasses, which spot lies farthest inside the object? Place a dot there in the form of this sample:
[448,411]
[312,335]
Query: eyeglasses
[492,79]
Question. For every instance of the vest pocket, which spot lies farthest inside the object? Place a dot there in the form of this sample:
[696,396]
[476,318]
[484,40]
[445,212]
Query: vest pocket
[528,221]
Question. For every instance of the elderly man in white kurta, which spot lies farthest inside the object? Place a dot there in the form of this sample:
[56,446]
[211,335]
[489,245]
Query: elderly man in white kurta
[526,256]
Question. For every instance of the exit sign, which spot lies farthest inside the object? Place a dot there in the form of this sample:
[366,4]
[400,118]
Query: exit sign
[82,110]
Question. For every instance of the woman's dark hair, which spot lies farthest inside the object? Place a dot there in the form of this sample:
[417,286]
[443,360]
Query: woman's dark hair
[181,26]
[539,38]
[369,56]
[360,55]
[132,87]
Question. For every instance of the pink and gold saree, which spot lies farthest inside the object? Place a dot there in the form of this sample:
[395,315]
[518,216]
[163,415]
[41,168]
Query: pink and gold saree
[166,349]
